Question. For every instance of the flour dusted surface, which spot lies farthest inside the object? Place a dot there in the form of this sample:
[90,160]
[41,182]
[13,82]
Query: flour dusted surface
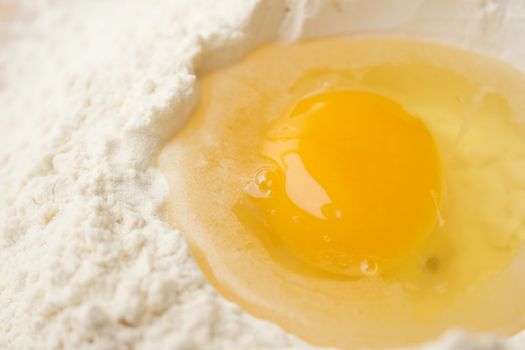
[88,92]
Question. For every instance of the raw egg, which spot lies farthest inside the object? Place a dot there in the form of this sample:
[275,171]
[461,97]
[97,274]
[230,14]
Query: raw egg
[358,192]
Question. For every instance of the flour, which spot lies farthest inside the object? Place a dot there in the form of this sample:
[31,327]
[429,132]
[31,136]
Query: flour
[88,92]
[86,261]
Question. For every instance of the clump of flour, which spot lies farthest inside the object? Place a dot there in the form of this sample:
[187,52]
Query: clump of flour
[88,92]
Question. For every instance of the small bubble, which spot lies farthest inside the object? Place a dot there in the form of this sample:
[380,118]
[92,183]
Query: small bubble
[265,180]
[327,238]
[369,268]
[330,211]
[264,176]
[273,212]
[295,219]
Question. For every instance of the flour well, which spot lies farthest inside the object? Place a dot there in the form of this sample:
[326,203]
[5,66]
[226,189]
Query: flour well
[88,92]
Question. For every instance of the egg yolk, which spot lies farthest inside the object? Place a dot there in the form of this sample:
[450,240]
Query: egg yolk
[353,183]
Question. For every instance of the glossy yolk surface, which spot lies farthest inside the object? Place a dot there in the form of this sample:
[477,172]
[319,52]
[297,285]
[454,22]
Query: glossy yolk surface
[342,160]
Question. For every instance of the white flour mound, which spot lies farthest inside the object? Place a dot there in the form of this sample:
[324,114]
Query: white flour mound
[88,92]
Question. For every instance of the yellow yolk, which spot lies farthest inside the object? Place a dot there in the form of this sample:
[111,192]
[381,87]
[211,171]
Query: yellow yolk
[355,183]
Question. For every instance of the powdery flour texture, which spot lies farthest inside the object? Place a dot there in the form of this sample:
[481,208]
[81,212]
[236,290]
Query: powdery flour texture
[88,91]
